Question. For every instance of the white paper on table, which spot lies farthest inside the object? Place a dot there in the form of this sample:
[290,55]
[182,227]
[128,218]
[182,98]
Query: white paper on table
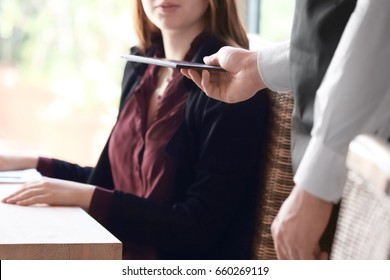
[19,176]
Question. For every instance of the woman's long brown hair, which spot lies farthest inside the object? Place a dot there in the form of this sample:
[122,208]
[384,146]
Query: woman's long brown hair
[221,19]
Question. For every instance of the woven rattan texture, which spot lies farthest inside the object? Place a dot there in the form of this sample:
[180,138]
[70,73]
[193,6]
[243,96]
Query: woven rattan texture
[279,178]
[363,228]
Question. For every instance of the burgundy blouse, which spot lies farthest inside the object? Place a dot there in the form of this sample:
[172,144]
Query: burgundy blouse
[138,162]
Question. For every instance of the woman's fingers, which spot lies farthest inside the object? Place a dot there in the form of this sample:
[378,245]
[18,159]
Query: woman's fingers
[26,193]
[53,192]
[36,199]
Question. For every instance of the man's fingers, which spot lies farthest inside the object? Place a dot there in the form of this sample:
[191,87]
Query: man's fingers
[195,76]
[202,80]
[185,73]
[319,254]
[206,86]
[221,57]
[323,256]
[212,59]
[280,254]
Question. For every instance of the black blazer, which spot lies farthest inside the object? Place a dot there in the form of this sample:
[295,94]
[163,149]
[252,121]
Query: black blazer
[217,151]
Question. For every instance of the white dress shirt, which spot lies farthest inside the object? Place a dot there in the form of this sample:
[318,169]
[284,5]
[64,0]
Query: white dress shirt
[273,66]
[354,98]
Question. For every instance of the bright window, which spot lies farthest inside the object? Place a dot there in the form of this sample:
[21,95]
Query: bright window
[60,73]
[271,19]
[276,19]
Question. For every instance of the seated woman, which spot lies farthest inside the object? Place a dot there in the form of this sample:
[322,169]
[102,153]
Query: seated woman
[179,169]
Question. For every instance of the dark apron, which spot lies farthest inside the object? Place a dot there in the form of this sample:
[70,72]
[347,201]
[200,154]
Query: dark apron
[318,26]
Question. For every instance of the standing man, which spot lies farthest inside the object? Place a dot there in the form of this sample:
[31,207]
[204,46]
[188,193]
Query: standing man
[353,99]
[298,66]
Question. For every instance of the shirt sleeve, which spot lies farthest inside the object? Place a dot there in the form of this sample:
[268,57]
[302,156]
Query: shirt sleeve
[273,66]
[354,98]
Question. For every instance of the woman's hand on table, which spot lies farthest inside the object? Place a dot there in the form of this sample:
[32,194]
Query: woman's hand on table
[53,192]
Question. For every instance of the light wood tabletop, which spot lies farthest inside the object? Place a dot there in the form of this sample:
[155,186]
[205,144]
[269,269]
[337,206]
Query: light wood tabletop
[43,232]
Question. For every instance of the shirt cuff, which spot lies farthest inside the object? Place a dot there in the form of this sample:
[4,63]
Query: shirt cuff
[100,205]
[322,172]
[273,66]
[45,166]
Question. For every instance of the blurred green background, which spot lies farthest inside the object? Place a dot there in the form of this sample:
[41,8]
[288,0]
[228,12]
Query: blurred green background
[276,19]
[72,45]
